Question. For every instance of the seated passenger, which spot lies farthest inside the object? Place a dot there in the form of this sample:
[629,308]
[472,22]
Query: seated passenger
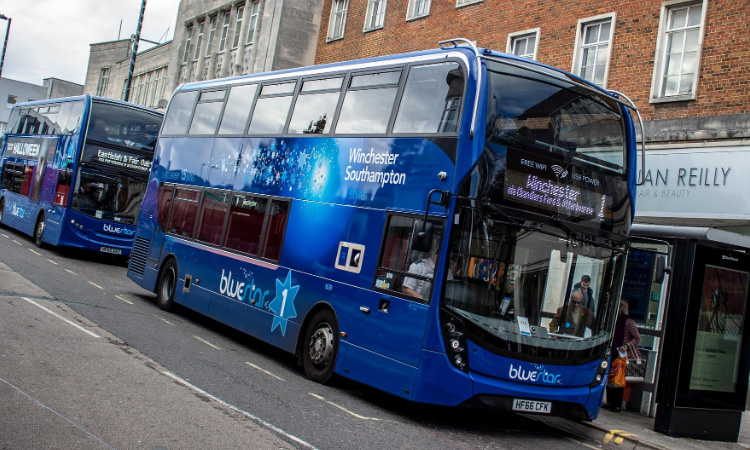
[577,319]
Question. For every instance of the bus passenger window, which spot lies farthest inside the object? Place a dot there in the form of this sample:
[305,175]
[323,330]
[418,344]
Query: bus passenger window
[366,111]
[246,223]
[277,218]
[213,212]
[431,100]
[180,110]
[207,112]
[17,178]
[237,110]
[269,116]
[184,213]
[315,107]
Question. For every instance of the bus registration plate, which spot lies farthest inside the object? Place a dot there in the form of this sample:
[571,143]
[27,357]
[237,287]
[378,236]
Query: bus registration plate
[531,406]
[111,251]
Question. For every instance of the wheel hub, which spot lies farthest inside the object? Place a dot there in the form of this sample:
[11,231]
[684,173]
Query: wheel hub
[321,345]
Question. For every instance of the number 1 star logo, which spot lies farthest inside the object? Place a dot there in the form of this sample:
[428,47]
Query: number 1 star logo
[282,305]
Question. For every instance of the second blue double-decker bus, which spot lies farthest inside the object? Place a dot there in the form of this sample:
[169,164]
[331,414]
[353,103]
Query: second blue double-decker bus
[415,222]
[74,171]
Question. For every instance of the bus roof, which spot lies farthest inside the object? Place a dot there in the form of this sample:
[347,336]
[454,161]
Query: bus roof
[85,97]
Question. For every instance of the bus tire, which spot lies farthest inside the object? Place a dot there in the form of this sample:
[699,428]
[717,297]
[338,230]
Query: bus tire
[320,346]
[39,231]
[165,287]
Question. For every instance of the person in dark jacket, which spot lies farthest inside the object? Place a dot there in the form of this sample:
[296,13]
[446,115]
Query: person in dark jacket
[588,294]
[626,334]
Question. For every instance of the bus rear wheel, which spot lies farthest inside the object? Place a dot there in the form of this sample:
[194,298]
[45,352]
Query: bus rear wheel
[39,231]
[166,285]
[320,346]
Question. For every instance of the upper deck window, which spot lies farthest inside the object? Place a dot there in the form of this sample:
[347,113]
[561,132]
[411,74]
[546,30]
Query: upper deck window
[127,127]
[180,110]
[539,116]
[315,106]
[431,100]
[272,109]
[207,112]
[367,109]
[238,108]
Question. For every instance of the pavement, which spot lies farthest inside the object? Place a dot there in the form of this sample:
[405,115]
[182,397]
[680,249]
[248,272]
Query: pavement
[66,383]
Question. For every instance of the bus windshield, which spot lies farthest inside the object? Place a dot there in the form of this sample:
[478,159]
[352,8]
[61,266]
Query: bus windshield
[556,118]
[122,126]
[503,276]
[115,197]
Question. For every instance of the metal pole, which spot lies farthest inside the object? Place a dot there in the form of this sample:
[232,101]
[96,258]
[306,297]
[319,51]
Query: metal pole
[5,43]
[134,51]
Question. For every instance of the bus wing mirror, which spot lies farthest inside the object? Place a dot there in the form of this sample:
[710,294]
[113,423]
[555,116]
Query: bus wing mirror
[422,236]
[661,269]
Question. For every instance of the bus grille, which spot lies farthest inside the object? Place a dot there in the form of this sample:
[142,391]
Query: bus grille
[139,255]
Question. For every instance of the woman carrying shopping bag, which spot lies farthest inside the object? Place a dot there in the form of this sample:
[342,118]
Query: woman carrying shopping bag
[626,336]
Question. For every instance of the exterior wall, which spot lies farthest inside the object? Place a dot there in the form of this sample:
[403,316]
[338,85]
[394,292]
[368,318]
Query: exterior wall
[105,55]
[57,88]
[723,87]
[150,75]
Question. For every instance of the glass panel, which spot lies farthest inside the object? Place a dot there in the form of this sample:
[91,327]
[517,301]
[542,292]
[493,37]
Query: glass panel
[430,90]
[206,118]
[124,126]
[110,197]
[212,96]
[375,79]
[678,18]
[246,223]
[691,40]
[213,212]
[312,112]
[238,109]
[276,89]
[366,111]
[321,85]
[178,116]
[604,34]
[275,232]
[165,201]
[269,116]
[694,16]
[184,213]
[591,34]
[718,342]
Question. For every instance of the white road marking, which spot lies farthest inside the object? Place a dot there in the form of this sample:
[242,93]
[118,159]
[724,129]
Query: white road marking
[264,371]
[344,409]
[35,252]
[164,320]
[124,299]
[96,285]
[18,242]
[6,236]
[70,271]
[61,317]
[88,433]
[52,262]
[244,413]
[583,443]
[207,343]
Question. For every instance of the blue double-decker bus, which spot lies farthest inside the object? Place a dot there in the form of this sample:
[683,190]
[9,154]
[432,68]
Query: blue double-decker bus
[416,222]
[74,170]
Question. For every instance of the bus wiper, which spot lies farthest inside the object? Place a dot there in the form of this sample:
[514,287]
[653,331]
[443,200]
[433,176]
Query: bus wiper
[560,223]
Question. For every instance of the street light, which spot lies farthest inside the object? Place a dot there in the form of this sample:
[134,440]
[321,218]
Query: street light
[5,44]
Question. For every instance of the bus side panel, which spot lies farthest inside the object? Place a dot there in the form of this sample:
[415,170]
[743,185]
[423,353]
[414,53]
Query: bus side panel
[376,370]
[439,382]
[20,213]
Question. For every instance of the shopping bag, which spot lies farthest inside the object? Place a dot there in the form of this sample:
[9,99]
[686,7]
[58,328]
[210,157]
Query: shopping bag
[636,367]
[617,373]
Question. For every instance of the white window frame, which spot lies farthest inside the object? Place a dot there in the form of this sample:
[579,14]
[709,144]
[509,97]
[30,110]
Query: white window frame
[253,24]
[211,34]
[375,19]
[101,88]
[657,80]
[580,46]
[517,36]
[337,20]
[224,31]
[461,3]
[186,53]
[238,27]
[199,41]
[412,13]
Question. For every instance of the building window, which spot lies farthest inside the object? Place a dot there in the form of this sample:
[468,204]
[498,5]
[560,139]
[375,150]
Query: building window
[198,41]
[338,19]
[238,26]
[678,52]
[211,34]
[523,43]
[591,58]
[254,9]
[224,31]
[460,3]
[186,54]
[375,14]
[418,8]
[101,88]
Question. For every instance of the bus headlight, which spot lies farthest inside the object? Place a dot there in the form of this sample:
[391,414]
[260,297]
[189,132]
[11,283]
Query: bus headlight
[455,341]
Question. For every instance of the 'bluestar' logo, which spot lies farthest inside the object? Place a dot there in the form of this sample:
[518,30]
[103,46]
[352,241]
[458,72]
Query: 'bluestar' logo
[532,375]
[118,230]
[17,211]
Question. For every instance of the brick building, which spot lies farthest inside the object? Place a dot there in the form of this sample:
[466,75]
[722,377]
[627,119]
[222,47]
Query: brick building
[683,63]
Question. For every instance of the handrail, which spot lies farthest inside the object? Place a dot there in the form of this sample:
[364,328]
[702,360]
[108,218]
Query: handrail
[471,44]
[642,179]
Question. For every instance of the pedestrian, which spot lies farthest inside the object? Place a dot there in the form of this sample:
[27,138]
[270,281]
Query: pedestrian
[626,335]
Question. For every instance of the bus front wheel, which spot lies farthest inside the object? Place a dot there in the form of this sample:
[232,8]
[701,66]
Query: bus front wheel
[320,346]
[39,231]
[165,286]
